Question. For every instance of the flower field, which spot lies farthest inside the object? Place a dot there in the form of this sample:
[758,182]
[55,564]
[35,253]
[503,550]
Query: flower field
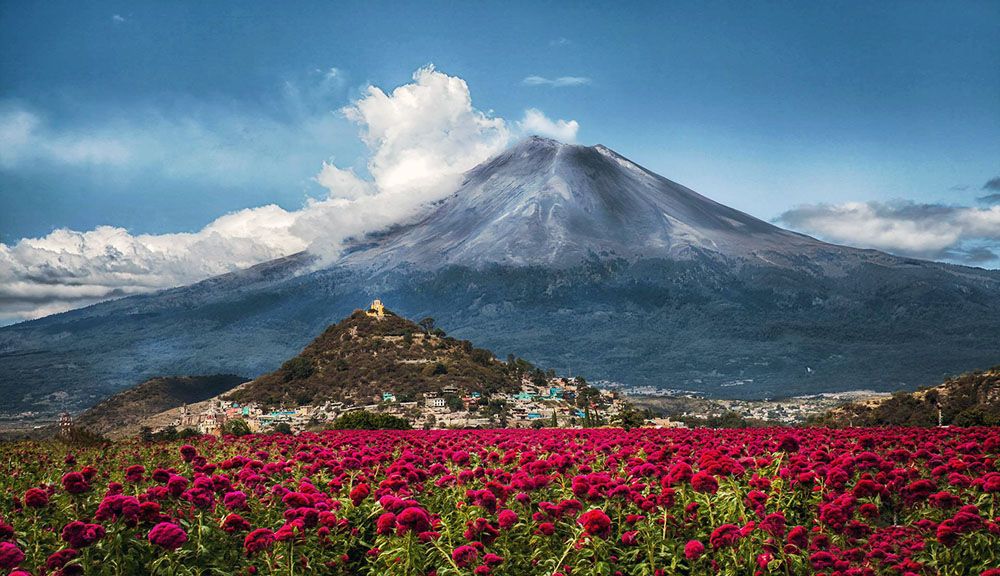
[506,502]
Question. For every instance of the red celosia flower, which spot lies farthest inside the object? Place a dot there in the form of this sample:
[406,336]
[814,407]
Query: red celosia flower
[234,523]
[36,498]
[10,555]
[596,523]
[693,550]
[705,483]
[359,493]
[188,452]
[79,534]
[386,523]
[725,535]
[630,538]
[774,524]
[464,555]
[75,483]
[258,541]
[134,473]
[167,535]
[506,519]
[59,559]
[235,500]
[413,519]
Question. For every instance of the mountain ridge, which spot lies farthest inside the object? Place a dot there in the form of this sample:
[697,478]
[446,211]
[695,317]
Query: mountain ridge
[804,317]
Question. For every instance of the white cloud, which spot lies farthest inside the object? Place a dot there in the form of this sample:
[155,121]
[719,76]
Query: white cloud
[957,233]
[421,136]
[23,138]
[560,82]
[425,132]
[117,18]
[535,122]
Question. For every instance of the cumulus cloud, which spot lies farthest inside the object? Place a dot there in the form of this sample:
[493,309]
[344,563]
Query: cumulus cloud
[561,82]
[421,137]
[535,122]
[936,231]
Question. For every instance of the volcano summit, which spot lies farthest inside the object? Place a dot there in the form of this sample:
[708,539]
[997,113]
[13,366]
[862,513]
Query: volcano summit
[572,257]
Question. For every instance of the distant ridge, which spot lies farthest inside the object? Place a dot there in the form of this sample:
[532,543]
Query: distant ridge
[119,415]
[971,399]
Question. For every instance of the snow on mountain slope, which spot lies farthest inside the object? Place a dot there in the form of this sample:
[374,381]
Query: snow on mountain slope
[547,203]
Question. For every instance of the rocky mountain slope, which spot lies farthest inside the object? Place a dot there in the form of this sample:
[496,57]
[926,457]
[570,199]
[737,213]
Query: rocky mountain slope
[362,356]
[971,399]
[569,256]
[122,412]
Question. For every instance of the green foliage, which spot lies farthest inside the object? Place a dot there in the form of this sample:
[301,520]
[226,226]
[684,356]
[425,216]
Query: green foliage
[364,420]
[283,428]
[188,433]
[427,323]
[629,417]
[971,399]
[297,368]
[236,427]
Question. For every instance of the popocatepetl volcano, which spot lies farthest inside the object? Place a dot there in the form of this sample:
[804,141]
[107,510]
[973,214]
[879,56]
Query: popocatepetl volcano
[551,204]
[572,257]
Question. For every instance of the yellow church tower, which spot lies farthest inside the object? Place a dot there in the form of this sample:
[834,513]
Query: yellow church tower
[376,310]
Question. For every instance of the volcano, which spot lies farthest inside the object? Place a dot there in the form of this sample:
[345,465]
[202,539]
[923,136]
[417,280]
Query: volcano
[545,203]
[572,257]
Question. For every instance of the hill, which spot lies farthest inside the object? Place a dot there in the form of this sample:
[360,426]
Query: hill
[971,399]
[120,414]
[370,353]
[569,256]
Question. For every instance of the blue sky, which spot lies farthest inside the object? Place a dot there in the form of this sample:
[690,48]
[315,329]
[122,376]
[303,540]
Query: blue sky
[823,116]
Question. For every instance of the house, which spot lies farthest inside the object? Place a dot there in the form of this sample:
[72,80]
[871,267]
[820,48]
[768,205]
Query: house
[432,400]
[388,397]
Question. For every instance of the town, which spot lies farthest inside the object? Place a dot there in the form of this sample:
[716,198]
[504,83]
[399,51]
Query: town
[561,402]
